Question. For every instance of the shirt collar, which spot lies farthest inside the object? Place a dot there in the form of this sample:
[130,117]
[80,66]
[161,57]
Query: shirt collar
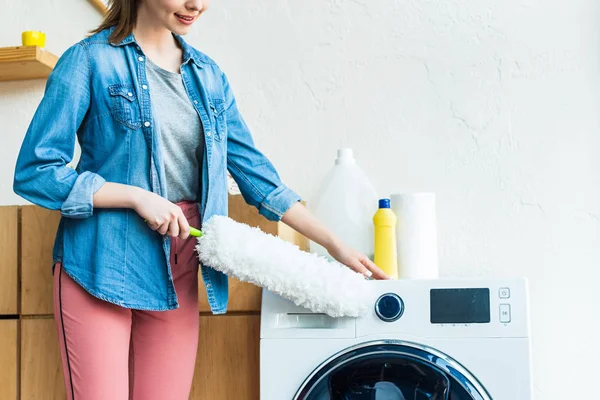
[188,51]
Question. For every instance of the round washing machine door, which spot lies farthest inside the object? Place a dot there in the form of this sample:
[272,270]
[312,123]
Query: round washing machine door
[391,370]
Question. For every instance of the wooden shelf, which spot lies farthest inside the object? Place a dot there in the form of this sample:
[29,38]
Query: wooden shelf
[21,63]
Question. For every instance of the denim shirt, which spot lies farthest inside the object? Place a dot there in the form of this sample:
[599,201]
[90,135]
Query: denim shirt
[98,92]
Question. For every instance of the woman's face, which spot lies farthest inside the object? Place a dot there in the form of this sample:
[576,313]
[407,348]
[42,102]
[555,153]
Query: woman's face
[178,16]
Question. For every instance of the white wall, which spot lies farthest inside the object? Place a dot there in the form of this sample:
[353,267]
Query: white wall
[494,105]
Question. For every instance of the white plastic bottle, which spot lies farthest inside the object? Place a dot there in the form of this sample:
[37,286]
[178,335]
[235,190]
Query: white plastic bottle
[346,202]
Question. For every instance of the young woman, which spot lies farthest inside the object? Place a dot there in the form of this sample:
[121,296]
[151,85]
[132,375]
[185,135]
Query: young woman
[158,127]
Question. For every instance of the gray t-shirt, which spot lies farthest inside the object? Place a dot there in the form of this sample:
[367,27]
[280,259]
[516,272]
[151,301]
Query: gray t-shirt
[180,131]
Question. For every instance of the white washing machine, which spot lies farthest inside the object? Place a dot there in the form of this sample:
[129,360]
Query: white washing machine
[445,339]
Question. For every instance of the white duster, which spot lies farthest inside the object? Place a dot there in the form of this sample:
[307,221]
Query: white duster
[308,280]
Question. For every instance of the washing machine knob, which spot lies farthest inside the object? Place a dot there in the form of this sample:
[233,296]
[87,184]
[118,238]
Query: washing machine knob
[389,307]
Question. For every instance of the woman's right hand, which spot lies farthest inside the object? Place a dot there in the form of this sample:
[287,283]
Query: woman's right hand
[161,215]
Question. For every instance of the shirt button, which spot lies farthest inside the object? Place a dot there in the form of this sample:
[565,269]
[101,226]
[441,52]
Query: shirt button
[208,134]
[130,94]
[144,87]
[208,285]
[195,101]
[140,58]
[146,124]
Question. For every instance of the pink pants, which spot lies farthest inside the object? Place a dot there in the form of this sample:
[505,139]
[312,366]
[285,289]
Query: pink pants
[113,353]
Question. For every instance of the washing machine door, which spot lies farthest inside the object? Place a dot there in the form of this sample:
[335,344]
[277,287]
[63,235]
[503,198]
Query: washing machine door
[391,370]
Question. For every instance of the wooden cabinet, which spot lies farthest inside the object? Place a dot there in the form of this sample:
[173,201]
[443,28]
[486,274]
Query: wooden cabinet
[227,364]
[8,360]
[9,268]
[41,372]
[38,230]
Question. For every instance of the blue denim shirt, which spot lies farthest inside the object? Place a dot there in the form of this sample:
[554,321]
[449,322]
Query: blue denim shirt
[98,92]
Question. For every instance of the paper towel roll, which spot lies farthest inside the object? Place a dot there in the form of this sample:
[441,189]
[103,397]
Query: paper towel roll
[416,235]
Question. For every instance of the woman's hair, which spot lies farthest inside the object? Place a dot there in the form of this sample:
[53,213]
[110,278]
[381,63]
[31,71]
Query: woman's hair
[121,14]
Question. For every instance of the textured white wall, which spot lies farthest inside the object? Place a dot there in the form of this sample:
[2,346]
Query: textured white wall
[494,105]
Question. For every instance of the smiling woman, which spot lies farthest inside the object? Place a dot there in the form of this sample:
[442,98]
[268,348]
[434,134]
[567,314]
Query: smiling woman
[148,109]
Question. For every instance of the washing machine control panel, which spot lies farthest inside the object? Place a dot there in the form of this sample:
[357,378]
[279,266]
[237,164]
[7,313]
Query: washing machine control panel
[389,307]
[447,307]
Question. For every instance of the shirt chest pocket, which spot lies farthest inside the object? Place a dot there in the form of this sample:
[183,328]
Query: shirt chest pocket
[124,105]
[217,108]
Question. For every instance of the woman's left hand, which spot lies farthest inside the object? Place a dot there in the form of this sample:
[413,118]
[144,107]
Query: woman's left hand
[356,261]
[300,219]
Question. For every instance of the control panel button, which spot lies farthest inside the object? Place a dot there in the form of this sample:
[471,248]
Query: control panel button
[505,313]
[389,307]
[504,293]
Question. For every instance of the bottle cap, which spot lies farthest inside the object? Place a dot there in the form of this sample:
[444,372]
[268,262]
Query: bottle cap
[345,156]
[384,203]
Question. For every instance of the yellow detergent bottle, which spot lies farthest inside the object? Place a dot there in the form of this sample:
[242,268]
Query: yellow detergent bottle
[386,255]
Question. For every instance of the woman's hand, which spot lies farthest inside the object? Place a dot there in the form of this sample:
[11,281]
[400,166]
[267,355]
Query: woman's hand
[161,215]
[300,219]
[356,261]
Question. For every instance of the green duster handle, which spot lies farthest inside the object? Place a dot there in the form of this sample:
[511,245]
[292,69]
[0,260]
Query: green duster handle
[193,231]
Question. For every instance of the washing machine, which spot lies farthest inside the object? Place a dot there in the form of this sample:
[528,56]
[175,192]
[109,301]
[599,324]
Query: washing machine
[443,339]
